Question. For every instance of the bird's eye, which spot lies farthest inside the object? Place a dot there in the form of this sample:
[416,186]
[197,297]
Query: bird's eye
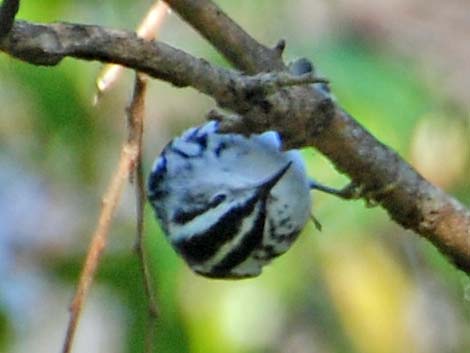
[217,199]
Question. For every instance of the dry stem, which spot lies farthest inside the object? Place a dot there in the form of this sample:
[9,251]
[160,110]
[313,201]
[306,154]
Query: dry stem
[148,29]
[136,128]
[110,200]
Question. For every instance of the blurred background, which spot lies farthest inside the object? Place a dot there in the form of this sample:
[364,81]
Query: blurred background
[362,285]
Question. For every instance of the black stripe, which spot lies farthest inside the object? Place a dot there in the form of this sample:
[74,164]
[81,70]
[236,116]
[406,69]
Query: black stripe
[201,140]
[201,247]
[155,180]
[181,216]
[194,133]
[218,150]
[251,240]
[179,152]
[194,138]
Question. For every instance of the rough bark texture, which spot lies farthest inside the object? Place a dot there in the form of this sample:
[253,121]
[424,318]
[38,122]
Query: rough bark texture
[303,114]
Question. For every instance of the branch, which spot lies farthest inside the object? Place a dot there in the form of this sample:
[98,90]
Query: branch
[135,115]
[8,12]
[98,242]
[223,33]
[129,164]
[247,95]
[313,118]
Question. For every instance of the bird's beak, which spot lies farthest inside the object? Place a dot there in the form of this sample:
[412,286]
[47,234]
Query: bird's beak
[266,185]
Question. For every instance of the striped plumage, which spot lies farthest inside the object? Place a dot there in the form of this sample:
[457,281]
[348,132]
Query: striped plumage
[229,204]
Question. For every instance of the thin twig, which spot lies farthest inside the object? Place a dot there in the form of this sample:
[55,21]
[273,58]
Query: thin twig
[136,119]
[148,29]
[269,83]
[128,163]
[98,242]
[144,265]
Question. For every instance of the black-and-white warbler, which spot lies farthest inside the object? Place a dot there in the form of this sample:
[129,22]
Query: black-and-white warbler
[229,204]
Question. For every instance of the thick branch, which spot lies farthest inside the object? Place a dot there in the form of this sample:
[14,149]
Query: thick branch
[388,180]
[222,32]
[302,114]
[48,44]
